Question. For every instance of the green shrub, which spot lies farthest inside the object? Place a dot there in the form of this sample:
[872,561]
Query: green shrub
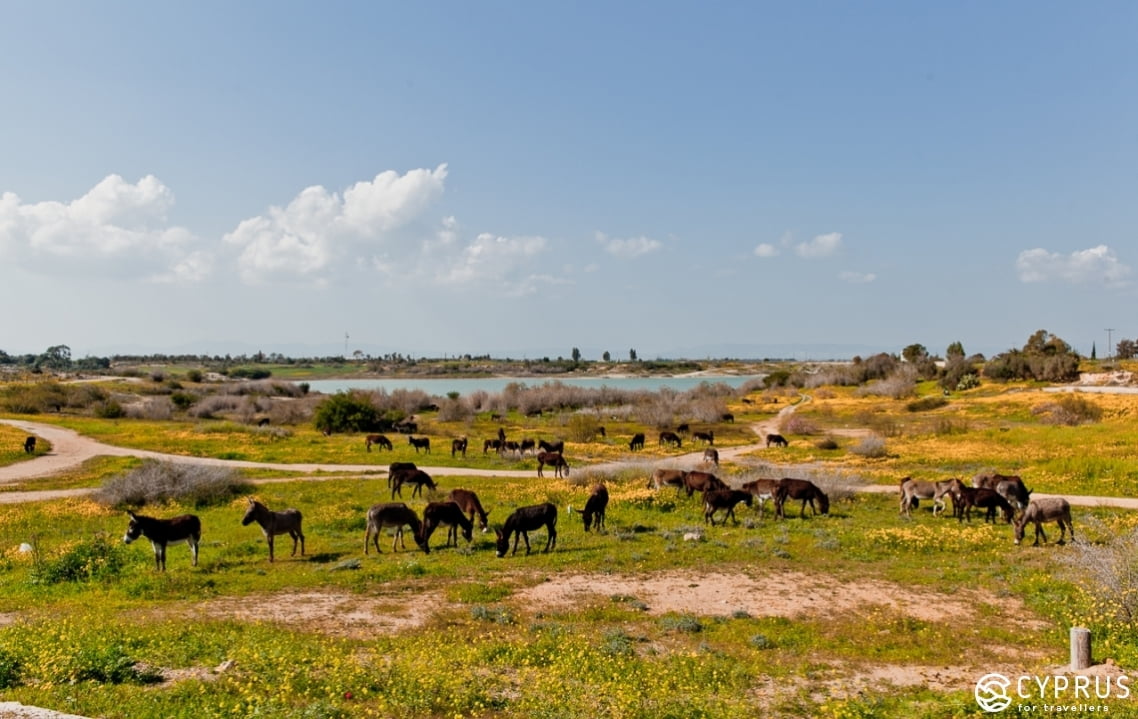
[183,400]
[108,665]
[250,373]
[110,409]
[195,375]
[583,427]
[90,560]
[926,403]
[10,669]
[348,412]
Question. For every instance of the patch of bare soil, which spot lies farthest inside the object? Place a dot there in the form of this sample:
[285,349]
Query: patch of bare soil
[332,613]
[786,594]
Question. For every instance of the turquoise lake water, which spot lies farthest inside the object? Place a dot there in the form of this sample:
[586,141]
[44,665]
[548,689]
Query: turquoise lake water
[494,385]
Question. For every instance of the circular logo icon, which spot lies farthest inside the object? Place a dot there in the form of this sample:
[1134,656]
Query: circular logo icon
[992,692]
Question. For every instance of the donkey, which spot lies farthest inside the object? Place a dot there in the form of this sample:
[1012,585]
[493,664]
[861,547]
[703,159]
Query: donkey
[762,490]
[416,477]
[468,502]
[274,523]
[450,514]
[418,443]
[458,446]
[801,489]
[708,437]
[493,444]
[696,481]
[711,454]
[777,440]
[637,442]
[717,499]
[161,532]
[558,446]
[671,438]
[397,515]
[523,521]
[595,506]
[989,499]
[30,445]
[527,445]
[913,490]
[667,478]
[553,459]
[1046,509]
[378,439]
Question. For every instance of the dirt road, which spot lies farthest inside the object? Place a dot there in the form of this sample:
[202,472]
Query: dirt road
[70,449]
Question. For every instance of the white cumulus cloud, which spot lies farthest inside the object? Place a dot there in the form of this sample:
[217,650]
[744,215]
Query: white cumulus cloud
[627,248]
[117,228]
[766,249]
[317,229]
[820,246]
[857,278]
[492,259]
[1097,264]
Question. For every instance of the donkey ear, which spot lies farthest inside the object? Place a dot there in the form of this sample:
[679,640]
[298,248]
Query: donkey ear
[132,514]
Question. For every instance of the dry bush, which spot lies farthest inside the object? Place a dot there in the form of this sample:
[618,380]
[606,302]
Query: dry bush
[455,410]
[829,443]
[157,482]
[872,447]
[210,407]
[154,408]
[293,411]
[1111,568]
[265,387]
[1070,410]
[825,393]
[793,424]
[899,385]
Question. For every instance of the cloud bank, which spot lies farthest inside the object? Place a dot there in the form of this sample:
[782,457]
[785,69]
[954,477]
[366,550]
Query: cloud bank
[1097,264]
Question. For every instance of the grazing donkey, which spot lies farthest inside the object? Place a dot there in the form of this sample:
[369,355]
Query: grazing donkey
[1046,509]
[637,442]
[711,454]
[777,440]
[274,523]
[468,502]
[450,514]
[595,506]
[397,515]
[30,445]
[717,499]
[801,489]
[523,521]
[418,443]
[379,440]
[708,437]
[417,477]
[161,532]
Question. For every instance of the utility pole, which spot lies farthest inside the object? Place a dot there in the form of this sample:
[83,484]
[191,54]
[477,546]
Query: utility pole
[1109,346]
[345,345]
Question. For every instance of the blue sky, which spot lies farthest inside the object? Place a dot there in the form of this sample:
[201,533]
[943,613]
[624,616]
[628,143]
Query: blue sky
[683,179]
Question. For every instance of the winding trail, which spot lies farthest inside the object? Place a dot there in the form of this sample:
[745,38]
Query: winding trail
[70,449]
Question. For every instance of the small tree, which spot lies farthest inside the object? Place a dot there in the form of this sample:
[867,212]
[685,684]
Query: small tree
[576,355]
[606,356]
[1126,349]
[632,355]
